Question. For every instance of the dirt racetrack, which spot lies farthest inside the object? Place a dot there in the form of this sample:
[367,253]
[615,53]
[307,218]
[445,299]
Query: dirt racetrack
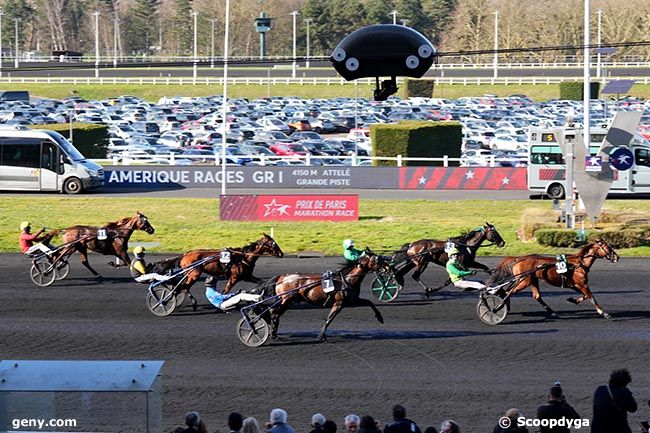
[433,356]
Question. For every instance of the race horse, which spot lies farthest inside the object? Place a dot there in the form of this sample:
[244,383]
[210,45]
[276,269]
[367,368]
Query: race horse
[420,253]
[527,271]
[239,268]
[111,239]
[298,288]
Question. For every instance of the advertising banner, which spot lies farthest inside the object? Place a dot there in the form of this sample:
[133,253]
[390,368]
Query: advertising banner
[463,178]
[289,207]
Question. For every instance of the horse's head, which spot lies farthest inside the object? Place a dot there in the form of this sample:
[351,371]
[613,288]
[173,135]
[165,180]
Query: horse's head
[492,235]
[605,250]
[371,262]
[142,223]
[267,245]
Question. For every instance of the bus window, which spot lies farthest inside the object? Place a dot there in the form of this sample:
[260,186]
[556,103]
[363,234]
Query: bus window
[48,157]
[642,157]
[21,152]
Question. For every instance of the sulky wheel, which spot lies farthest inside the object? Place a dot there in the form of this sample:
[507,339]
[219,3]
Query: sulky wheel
[385,287]
[254,334]
[62,269]
[165,304]
[491,309]
[180,297]
[42,273]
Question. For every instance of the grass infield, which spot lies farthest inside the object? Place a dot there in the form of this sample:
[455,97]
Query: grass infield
[183,224]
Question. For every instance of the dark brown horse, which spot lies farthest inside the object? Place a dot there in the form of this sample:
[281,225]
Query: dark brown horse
[240,267]
[527,271]
[111,239]
[420,253]
[299,288]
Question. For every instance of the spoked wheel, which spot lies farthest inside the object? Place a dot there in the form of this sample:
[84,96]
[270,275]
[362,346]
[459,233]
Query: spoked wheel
[165,304]
[491,309]
[62,269]
[385,287]
[180,297]
[255,334]
[42,273]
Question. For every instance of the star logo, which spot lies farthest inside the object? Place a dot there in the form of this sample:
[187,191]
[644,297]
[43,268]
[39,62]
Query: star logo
[422,180]
[505,181]
[276,209]
[469,174]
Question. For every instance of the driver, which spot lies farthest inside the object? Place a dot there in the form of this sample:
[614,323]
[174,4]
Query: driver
[229,300]
[143,272]
[457,273]
[27,240]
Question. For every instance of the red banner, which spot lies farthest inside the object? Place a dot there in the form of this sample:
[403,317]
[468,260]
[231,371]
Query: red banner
[466,178]
[289,207]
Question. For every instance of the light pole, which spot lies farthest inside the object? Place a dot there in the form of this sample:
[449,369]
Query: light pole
[212,21]
[496,45]
[1,14]
[195,14]
[308,21]
[600,19]
[116,23]
[293,65]
[224,111]
[96,15]
[587,79]
[404,21]
[16,20]
[394,14]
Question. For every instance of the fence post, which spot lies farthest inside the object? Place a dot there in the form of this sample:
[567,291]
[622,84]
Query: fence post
[445,161]
[399,160]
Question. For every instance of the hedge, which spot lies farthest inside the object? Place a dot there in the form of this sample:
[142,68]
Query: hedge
[421,139]
[624,238]
[573,90]
[89,138]
[418,88]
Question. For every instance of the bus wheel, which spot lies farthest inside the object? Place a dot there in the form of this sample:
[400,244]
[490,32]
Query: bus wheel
[555,191]
[72,186]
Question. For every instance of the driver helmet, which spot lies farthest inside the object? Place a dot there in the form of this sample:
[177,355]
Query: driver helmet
[348,243]
[24,225]
[139,251]
[453,252]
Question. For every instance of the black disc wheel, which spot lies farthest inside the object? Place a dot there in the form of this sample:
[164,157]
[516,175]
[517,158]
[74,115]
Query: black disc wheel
[253,333]
[492,309]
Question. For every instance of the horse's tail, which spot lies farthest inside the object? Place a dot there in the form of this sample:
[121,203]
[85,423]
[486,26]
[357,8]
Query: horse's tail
[402,254]
[165,265]
[47,237]
[266,288]
[500,273]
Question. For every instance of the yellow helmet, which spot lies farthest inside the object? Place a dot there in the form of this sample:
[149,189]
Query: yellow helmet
[24,225]
[138,250]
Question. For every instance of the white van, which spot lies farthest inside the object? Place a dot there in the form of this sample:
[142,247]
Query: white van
[41,160]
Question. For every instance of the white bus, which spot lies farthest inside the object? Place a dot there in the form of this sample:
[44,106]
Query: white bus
[40,160]
[546,163]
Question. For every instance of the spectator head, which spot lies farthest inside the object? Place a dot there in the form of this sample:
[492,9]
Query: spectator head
[317,420]
[235,421]
[368,423]
[352,423]
[250,425]
[278,416]
[620,378]
[399,412]
[556,392]
[513,414]
[193,420]
[430,429]
[450,426]
[329,426]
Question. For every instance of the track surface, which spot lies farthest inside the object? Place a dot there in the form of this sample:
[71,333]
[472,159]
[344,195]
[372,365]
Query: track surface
[433,356]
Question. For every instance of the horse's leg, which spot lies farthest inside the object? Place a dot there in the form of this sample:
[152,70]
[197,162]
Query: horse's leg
[476,265]
[367,303]
[83,255]
[586,293]
[275,318]
[336,308]
[401,273]
[422,266]
[534,284]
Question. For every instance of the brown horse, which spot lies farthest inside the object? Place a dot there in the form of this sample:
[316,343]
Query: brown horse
[420,253]
[111,239]
[240,267]
[298,288]
[529,270]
